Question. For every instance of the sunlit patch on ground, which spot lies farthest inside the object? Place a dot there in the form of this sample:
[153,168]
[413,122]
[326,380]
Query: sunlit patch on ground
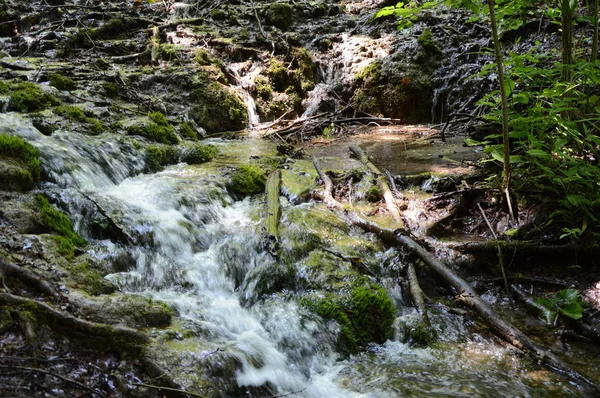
[592,296]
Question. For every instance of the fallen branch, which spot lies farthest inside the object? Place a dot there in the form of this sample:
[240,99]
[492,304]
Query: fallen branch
[356,262]
[388,196]
[417,293]
[273,212]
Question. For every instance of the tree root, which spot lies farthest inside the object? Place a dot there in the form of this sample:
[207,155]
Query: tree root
[10,270]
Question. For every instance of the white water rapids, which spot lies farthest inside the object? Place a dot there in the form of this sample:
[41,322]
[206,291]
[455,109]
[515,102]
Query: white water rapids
[196,249]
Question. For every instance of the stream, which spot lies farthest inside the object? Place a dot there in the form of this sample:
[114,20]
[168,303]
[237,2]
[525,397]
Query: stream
[199,250]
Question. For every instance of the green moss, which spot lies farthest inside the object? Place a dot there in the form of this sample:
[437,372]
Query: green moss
[90,280]
[94,126]
[111,90]
[218,14]
[248,180]
[20,161]
[62,83]
[422,336]
[279,15]
[188,132]
[161,132]
[5,319]
[372,314]
[201,57]
[304,75]
[370,74]
[65,247]
[263,89]
[159,156]
[428,42]
[373,194]
[57,221]
[4,87]
[171,52]
[329,308]
[278,75]
[216,108]
[199,153]
[28,97]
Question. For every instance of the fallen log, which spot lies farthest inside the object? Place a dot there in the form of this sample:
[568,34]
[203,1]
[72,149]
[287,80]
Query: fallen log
[466,294]
[388,196]
[273,213]
[417,293]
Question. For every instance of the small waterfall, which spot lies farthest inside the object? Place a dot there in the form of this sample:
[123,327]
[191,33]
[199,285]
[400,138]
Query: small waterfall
[244,74]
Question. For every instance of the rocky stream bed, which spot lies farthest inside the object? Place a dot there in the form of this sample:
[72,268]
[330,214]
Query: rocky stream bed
[137,255]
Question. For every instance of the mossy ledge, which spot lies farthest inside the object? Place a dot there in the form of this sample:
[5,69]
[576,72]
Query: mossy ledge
[20,165]
[248,180]
[57,221]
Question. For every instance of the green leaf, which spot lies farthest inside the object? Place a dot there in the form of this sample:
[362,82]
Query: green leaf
[472,142]
[572,310]
[538,153]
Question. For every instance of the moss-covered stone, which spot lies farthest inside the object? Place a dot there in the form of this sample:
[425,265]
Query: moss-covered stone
[91,280]
[62,83]
[279,15]
[111,90]
[157,131]
[263,89]
[20,165]
[303,73]
[57,221]
[73,113]
[422,336]
[202,57]
[199,153]
[29,97]
[216,108]
[159,156]
[278,75]
[373,194]
[248,180]
[186,131]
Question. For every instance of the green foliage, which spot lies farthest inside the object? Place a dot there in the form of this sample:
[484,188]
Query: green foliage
[58,222]
[29,97]
[159,156]
[406,12]
[25,157]
[565,302]
[199,153]
[201,57]
[555,136]
[188,132]
[263,89]
[248,180]
[157,131]
[62,83]
[4,87]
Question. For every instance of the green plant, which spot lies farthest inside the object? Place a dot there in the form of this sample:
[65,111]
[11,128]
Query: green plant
[70,112]
[406,12]
[248,180]
[159,156]
[565,302]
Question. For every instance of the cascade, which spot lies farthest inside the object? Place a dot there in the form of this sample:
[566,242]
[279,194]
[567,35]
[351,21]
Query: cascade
[244,74]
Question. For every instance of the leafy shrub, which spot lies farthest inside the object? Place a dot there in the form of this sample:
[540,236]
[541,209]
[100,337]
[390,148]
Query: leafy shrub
[25,156]
[248,180]
[200,153]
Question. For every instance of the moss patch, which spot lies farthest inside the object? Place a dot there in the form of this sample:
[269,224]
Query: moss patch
[159,156]
[248,180]
[19,163]
[159,130]
[199,153]
[28,97]
[279,15]
[91,280]
[73,113]
[62,83]
[57,221]
[188,132]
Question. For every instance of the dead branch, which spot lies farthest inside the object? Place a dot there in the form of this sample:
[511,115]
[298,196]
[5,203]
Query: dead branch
[273,213]
[417,293]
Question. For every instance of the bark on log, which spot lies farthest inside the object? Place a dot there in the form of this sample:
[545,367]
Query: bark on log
[273,213]
[108,336]
[417,293]
[388,196]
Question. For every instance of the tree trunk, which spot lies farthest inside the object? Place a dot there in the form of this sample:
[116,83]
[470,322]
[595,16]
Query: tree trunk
[273,212]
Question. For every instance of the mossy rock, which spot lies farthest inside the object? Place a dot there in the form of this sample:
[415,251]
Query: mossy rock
[216,108]
[248,180]
[62,83]
[280,15]
[365,315]
[186,131]
[91,280]
[57,221]
[159,156]
[20,165]
[373,194]
[158,130]
[199,154]
[73,113]
[29,97]
[278,74]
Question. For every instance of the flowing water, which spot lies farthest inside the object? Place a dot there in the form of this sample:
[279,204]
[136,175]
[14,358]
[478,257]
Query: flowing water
[199,250]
